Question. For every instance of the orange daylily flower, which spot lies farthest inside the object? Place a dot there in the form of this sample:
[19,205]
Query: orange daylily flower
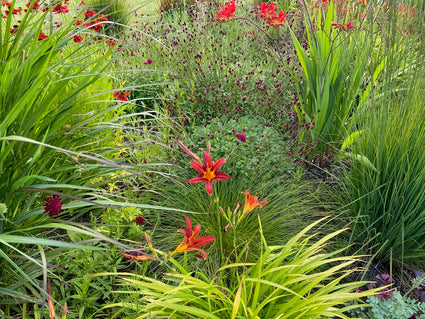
[138,254]
[191,242]
[208,170]
[251,202]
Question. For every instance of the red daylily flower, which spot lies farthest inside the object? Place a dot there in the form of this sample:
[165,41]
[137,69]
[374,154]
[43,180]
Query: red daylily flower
[251,202]
[227,11]
[191,242]
[208,172]
[53,205]
[121,95]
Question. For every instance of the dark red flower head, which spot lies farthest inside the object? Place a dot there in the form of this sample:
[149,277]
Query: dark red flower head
[140,220]
[53,205]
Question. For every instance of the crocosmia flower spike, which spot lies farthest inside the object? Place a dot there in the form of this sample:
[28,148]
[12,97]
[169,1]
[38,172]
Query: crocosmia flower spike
[227,11]
[191,242]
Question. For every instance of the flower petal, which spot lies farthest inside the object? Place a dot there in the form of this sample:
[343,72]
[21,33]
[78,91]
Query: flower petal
[209,187]
[188,227]
[201,241]
[207,161]
[197,166]
[197,179]
[188,152]
[220,176]
[219,163]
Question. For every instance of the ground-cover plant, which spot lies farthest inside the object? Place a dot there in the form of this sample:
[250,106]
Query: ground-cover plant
[285,281]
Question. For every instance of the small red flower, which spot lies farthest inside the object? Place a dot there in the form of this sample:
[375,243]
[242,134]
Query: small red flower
[227,11]
[34,7]
[111,43]
[60,9]
[42,36]
[78,22]
[148,61]
[121,95]
[53,205]
[78,38]
[89,13]
[191,242]
[139,220]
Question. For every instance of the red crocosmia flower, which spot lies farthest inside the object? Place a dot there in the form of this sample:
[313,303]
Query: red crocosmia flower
[34,7]
[251,202]
[53,205]
[7,4]
[281,19]
[89,13]
[121,95]
[60,9]
[78,22]
[348,26]
[241,137]
[148,61]
[191,242]
[111,43]
[208,172]
[15,11]
[42,36]
[138,254]
[139,220]
[267,11]
[335,25]
[227,11]
[78,38]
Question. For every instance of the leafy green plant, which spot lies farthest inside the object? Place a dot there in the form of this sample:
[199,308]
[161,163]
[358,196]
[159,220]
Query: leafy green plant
[339,74]
[246,142]
[299,278]
[386,200]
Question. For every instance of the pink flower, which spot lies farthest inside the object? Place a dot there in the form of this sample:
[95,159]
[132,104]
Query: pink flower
[53,205]
[148,61]
[241,137]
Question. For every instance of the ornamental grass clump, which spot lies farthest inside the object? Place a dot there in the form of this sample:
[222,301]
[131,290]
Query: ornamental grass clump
[297,279]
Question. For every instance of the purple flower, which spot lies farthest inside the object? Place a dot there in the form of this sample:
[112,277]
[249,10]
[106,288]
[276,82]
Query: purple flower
[241,137]
[148,61]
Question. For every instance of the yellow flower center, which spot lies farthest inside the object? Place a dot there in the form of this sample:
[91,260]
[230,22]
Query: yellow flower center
[209,174]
